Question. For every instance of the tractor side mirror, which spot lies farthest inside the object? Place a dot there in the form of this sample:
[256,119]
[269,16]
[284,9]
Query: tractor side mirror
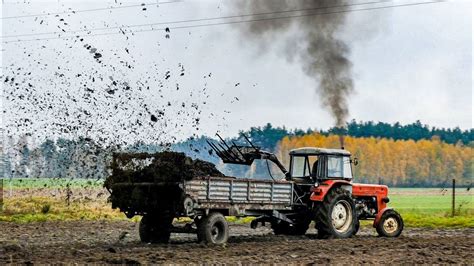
[355,161]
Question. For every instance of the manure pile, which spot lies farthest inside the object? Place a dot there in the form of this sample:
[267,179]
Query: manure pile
[158,167]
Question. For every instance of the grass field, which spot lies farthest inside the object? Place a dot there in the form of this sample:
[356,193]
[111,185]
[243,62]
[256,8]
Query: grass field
[51,183]
[30,200]
[432,207]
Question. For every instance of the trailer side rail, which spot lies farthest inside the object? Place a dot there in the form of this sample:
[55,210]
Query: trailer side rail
[243,191]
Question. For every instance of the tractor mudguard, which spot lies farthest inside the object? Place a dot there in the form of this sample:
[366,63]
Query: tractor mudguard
[379,215]
[319,193]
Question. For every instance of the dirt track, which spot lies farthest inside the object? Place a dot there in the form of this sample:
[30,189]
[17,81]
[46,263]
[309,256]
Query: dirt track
[85,241]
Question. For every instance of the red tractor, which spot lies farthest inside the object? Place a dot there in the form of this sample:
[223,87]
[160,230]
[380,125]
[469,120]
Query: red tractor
[317,188]
[337,203]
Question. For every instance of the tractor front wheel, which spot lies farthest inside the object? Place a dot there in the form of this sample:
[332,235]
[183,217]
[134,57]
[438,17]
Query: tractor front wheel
[336,216]
[390,224]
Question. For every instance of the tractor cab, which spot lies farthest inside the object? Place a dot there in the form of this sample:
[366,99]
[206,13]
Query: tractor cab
[318,164]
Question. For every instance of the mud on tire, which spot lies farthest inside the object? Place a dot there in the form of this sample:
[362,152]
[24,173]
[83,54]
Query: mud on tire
[336,216]
[155,228]
[213,229]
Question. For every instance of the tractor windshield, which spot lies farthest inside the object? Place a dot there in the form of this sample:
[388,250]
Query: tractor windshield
[303,166]
[339,167]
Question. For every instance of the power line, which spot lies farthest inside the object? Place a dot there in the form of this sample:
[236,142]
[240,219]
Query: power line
[195,20]
[90,10]
[237,22]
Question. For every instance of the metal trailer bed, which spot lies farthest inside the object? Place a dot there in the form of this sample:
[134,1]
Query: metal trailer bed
[237,197]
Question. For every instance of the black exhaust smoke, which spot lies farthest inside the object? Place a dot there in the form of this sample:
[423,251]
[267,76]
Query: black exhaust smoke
[322,54]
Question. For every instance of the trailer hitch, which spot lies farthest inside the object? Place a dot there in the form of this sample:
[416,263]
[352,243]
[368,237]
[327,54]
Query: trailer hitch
[276,216]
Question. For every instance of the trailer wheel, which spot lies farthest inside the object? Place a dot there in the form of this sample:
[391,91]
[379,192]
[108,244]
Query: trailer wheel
[336,216]
[390,224]
[213,229]
[155,228]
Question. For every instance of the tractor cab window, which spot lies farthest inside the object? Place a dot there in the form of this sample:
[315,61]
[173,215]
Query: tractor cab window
[298,168]
[303,166]
[339,167]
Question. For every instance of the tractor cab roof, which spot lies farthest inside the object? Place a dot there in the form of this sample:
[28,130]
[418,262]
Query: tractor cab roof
[319,151]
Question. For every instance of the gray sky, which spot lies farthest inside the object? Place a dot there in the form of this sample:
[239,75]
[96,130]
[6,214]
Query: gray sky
[409,63]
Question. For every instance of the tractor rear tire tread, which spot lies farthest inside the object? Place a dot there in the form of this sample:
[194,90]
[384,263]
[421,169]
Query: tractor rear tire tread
[323,214]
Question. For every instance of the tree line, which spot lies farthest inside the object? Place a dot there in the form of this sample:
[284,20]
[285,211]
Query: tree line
[414,131]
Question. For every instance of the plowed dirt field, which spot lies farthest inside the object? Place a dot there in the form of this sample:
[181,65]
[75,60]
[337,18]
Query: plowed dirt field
[118,242]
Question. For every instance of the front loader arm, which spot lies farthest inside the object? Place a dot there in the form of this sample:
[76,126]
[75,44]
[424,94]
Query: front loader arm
[272,157]
[244,155]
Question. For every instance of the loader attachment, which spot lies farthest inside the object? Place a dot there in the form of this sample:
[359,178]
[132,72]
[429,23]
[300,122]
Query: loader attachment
[244,155]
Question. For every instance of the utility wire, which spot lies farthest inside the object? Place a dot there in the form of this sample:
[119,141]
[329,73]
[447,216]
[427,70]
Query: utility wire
[235,22]
[90,10]
[196,20]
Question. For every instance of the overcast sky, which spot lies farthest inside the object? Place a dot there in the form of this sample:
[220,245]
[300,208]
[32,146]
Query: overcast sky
[409,63]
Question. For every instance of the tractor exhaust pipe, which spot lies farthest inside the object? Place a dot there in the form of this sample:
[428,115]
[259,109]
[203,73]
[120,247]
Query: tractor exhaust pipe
[341,140]
[342,132]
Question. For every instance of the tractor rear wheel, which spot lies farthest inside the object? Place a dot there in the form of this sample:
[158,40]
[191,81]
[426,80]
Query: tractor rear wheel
[213,229]
[390,224]
[336,216]
[155,228]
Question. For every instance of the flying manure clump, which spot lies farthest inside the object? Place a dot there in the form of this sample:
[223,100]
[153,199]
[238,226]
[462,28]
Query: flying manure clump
[323,55]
